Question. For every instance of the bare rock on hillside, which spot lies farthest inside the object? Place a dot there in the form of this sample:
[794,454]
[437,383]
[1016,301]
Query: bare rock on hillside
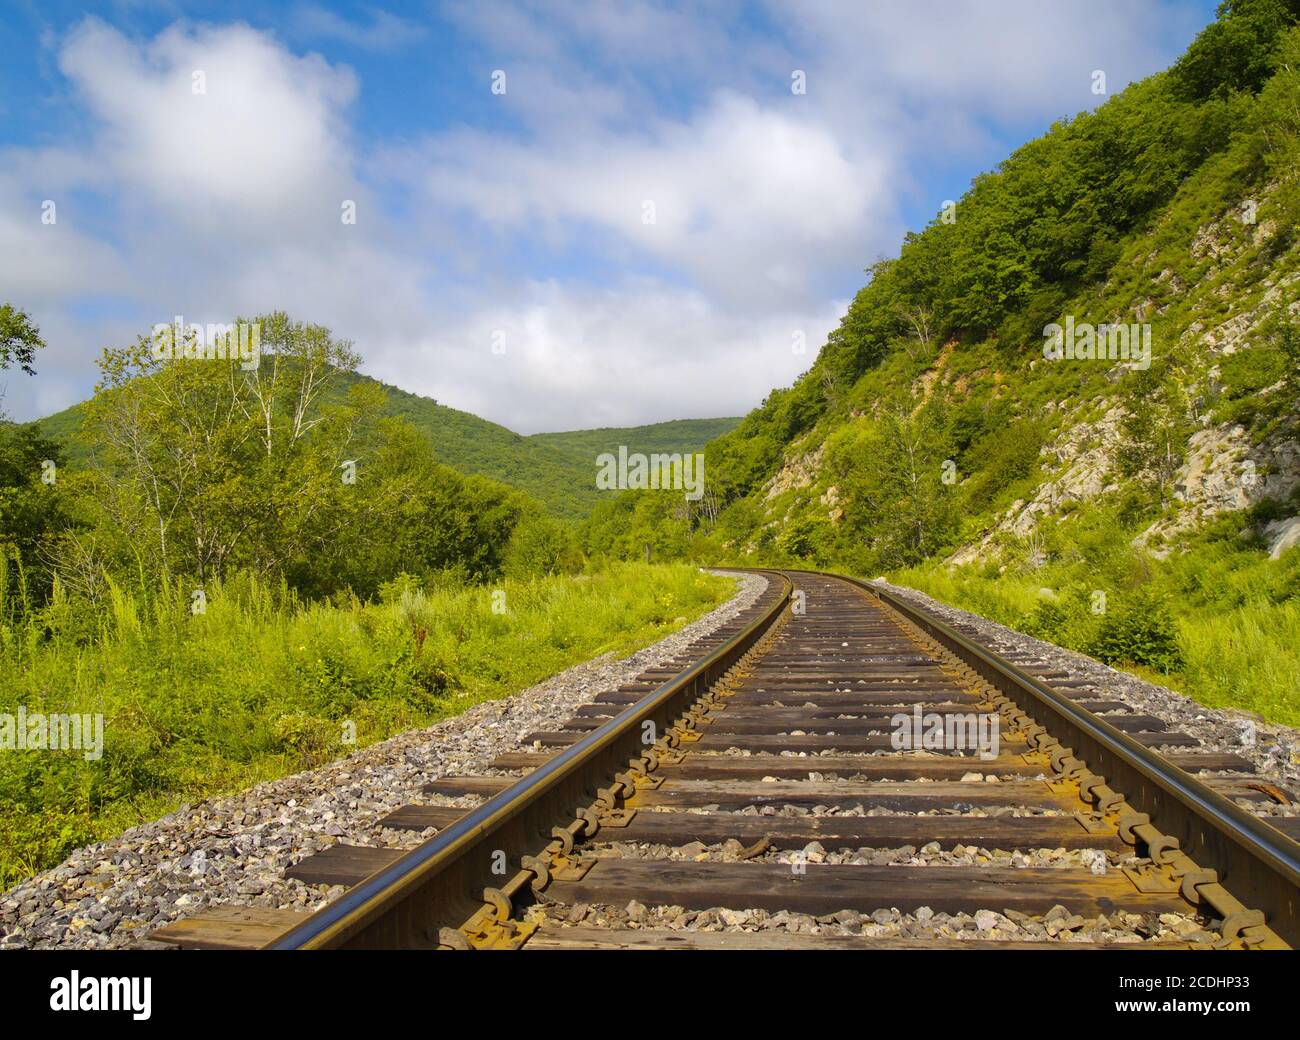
[798,471]
[1224,471]
[1282,535]
[1086,453]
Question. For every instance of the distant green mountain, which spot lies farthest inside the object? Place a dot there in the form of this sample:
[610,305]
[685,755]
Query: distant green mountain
[62,427]
[582,446]
[558,469]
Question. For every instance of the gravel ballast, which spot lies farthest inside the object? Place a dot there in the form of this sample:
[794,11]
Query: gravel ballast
[235,849]
[1057,925]
[1273,749]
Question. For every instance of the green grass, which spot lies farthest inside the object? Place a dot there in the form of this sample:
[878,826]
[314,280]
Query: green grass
[1247,658]
[261,685]
[1230,619]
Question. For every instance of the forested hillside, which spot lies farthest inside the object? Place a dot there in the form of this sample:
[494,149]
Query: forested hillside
[676,435]
[1140,506]
[557,469]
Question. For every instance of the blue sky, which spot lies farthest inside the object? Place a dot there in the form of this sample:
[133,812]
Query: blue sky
[518,217]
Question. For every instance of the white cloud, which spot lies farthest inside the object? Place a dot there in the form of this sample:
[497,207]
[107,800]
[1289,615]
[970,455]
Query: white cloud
[379,31]
[1012,59]
[204,205]
[579,357]
[44,260]
[936,80]
[752,202]
[672,41]
[264,143]
[766,203]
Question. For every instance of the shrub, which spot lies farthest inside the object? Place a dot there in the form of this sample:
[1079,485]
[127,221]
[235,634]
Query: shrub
[1141,631]
[540,545]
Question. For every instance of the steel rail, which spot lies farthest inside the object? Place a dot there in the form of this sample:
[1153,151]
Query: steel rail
[1257,863]
[440,882]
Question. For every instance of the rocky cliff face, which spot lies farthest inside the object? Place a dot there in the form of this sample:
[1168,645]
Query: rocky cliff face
[1225,466]
[801,469]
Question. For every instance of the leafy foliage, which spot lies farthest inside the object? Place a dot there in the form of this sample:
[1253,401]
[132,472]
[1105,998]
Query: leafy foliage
[555,469]
[541,545]
[20,339]
[891,474]
[1236,51]
[1141,631]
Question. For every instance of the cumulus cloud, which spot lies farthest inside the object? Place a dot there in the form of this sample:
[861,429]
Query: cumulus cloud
[749,201]
[216,124]
[211,184]
[578,357]
[532,219]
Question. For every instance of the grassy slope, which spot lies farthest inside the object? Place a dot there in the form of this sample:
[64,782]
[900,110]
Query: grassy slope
[1232,615]
[260,686]
[557,469]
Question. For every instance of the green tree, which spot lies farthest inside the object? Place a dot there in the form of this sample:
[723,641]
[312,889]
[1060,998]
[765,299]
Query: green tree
[424,518]
[540,545]
[895,483]
[1235,52]
[20,339]
[1155,429]
[201,466]
[31,505]
[33,513]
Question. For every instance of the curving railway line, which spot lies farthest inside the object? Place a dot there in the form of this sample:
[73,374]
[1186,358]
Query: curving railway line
[822,736]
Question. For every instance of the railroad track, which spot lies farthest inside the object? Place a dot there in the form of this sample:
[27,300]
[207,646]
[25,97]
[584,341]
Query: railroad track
[786,784]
